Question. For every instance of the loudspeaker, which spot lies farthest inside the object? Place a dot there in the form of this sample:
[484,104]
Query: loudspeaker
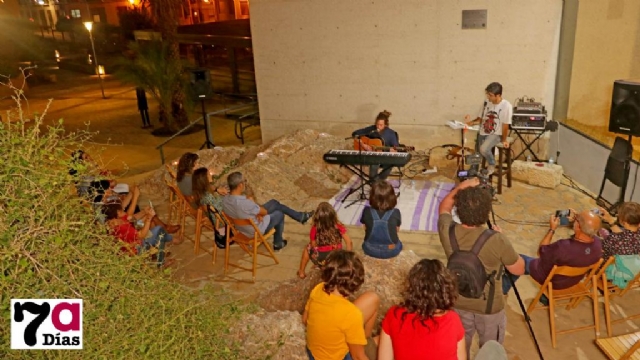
[615,171]
[201,83]
[625,108]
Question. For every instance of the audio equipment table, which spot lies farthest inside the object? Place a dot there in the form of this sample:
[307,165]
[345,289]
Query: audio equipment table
[528,144]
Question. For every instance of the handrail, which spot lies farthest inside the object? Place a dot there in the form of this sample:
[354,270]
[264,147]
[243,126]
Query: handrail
[191,124]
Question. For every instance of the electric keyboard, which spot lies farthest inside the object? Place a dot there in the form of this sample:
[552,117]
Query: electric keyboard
[354,157]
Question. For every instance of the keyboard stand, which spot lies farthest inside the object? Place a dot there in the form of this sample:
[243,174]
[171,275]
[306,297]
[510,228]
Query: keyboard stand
[364,180]
[528,145]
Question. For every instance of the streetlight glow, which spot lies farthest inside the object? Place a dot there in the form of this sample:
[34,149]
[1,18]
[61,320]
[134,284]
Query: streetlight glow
[89,26]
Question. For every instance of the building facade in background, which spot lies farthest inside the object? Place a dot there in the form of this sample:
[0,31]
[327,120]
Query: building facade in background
[47,12]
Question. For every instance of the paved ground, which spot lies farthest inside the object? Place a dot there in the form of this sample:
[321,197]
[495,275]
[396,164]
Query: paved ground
[522,212]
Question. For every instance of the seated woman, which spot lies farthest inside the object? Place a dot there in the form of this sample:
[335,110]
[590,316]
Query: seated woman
[326,236]
[152,231]
[186,165]
[336,327]
[381,221]
[424,325]
[205,193]
[623,242]
[203,190]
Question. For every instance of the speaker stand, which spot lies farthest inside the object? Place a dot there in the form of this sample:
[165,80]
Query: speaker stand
[207,129]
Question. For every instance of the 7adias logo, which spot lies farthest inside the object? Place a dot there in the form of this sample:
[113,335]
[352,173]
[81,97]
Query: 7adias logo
[46,324]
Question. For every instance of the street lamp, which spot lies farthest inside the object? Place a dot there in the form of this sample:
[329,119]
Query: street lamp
[89,26]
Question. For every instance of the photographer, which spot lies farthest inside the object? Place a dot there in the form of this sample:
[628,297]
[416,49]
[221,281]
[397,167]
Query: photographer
[484,313]
[582,249]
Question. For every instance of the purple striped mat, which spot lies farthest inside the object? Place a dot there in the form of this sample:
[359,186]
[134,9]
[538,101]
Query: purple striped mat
[418,203]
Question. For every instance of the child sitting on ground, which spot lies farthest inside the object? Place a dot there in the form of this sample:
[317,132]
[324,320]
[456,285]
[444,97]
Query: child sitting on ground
[337,328]
[326,236]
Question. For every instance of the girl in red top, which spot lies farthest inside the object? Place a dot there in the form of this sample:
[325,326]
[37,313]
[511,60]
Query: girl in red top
[326,235]
[424,325]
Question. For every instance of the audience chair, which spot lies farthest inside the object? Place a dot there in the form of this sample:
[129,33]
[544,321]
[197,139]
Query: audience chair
[187,211]
[174,202]
[503,165]
[204,222]
[571,296]
[611,291]
[171,171]
[621,347]
[249,245]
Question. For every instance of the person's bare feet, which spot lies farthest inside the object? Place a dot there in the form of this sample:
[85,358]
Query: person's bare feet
[301,274]
[177,240]
[172,229]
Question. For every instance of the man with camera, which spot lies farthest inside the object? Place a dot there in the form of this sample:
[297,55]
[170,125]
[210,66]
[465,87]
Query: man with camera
[482,311]
[582,249]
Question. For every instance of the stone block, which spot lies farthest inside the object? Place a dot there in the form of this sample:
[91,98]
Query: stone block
[538,174]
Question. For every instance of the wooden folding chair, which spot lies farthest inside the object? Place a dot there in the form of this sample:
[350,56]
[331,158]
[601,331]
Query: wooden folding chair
[611,291]
[572,296]
[174,201]
[249,245]
[621,347]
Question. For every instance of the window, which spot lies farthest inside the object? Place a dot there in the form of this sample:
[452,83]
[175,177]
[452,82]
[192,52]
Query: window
[75,13]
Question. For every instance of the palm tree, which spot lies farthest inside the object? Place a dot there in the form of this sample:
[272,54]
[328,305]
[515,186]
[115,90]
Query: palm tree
[150,70]
[166,13]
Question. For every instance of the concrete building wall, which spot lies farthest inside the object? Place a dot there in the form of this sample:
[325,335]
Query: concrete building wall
[607,48]
[334,64]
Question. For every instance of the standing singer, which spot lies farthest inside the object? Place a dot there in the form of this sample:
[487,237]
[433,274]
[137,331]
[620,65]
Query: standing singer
[494,120]
[380,130]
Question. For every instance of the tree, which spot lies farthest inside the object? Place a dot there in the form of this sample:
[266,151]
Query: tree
[135,19]
[166,13]
[149,69]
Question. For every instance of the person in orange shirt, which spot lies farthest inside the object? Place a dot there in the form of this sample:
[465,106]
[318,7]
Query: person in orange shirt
[337,328]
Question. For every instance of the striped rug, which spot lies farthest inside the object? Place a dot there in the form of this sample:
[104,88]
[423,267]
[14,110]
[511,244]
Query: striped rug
[418,203]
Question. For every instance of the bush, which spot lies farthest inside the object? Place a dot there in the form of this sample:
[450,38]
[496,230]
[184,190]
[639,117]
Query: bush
[52,247]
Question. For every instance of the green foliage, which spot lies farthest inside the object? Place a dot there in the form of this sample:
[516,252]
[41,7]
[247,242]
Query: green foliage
[150,69]
[52,247]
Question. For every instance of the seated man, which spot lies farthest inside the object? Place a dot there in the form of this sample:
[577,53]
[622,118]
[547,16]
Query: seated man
[623,242]
[239,204]
[584,248]
[379,130]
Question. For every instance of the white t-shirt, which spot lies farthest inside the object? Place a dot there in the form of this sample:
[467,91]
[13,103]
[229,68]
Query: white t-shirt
[495,115]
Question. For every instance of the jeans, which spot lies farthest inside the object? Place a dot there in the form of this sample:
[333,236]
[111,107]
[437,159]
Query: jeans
[276,212]
[346,357]
[159,237]
[506,283]
[486,143]
[373,172]
[381,251]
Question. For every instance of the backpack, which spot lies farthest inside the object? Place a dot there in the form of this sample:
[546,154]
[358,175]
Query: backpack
[468,269]
[220,238]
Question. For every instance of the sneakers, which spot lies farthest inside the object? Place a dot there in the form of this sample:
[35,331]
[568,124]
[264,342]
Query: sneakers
[306,216]
[491,169]
[278,248]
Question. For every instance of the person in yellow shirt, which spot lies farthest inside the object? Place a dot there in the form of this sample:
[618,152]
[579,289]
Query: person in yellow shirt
[337,328]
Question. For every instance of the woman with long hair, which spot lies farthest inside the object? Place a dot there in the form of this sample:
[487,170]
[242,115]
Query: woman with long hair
[326,235]
[424,325]
[186,165]
[381,222]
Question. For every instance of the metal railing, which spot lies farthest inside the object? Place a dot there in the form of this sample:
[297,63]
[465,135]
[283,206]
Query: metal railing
[225,110]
